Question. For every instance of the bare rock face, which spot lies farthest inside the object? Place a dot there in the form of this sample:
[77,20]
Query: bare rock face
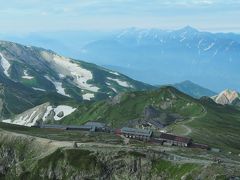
[236,102]
[30,117]
[116,99]
[50,115]
[226,97]
[166,104]
[60,114]
[27,157]
[150,112]
[1,97]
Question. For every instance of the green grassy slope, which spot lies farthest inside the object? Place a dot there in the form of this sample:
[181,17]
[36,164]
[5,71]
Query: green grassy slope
[219,126]
[130,106]
[62,135]
[174,171]
[204,121]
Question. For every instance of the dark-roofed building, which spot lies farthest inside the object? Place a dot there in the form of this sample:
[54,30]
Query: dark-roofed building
[89,126]
[51,126]
[133,133]
[99,126]
[82,128]
[175,140]
[96,124]
[157,124]
[68,127]
[152,124]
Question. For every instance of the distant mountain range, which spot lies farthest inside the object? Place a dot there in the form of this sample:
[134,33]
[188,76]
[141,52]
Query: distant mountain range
[210,59]
[193,89]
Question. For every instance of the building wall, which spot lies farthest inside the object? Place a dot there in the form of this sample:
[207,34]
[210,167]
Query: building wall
[133,136]
[176,143]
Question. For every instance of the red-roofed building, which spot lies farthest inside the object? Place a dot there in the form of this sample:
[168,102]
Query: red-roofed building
[175,140]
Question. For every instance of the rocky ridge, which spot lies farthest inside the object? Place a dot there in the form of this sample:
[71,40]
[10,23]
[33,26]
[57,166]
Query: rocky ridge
[227,96]
[27,157]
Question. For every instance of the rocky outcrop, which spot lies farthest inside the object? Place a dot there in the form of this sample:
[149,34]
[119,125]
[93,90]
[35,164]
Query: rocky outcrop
[60,114]
[158,118]
[227,97]
[25,157]
[43,113]
[17,154]
[29,158]
[116,99]
[50,115]
[150,112]
[30,117]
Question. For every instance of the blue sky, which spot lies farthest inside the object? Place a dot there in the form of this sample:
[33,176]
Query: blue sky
[72,15]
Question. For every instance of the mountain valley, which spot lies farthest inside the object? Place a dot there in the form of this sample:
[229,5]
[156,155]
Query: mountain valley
[119,90]
[39,87]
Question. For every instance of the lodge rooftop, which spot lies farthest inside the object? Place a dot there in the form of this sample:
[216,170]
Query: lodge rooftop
[139,132]
[175,138]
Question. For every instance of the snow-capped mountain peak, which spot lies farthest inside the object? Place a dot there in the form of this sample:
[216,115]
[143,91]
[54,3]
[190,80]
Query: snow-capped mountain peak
[175,55]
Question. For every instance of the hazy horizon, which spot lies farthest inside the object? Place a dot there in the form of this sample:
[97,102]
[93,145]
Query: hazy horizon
[34,16]
[70,28]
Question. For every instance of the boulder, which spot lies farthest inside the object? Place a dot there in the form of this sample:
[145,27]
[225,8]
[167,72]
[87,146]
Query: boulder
[60,114]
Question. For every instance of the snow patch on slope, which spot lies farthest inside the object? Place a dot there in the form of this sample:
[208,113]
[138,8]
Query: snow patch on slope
[88,96]
[115,73]
[114,89]
[120,82]
[29,117]
[215,53]
[41,113]
[183,36]
[47,112]
[61,76]
[110,86]
[67,67]
[182,39]
[26,75]
[65,109]
[27,120]
[60,89]
[38,89]
[58,86]
[5,65]
[209,47]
